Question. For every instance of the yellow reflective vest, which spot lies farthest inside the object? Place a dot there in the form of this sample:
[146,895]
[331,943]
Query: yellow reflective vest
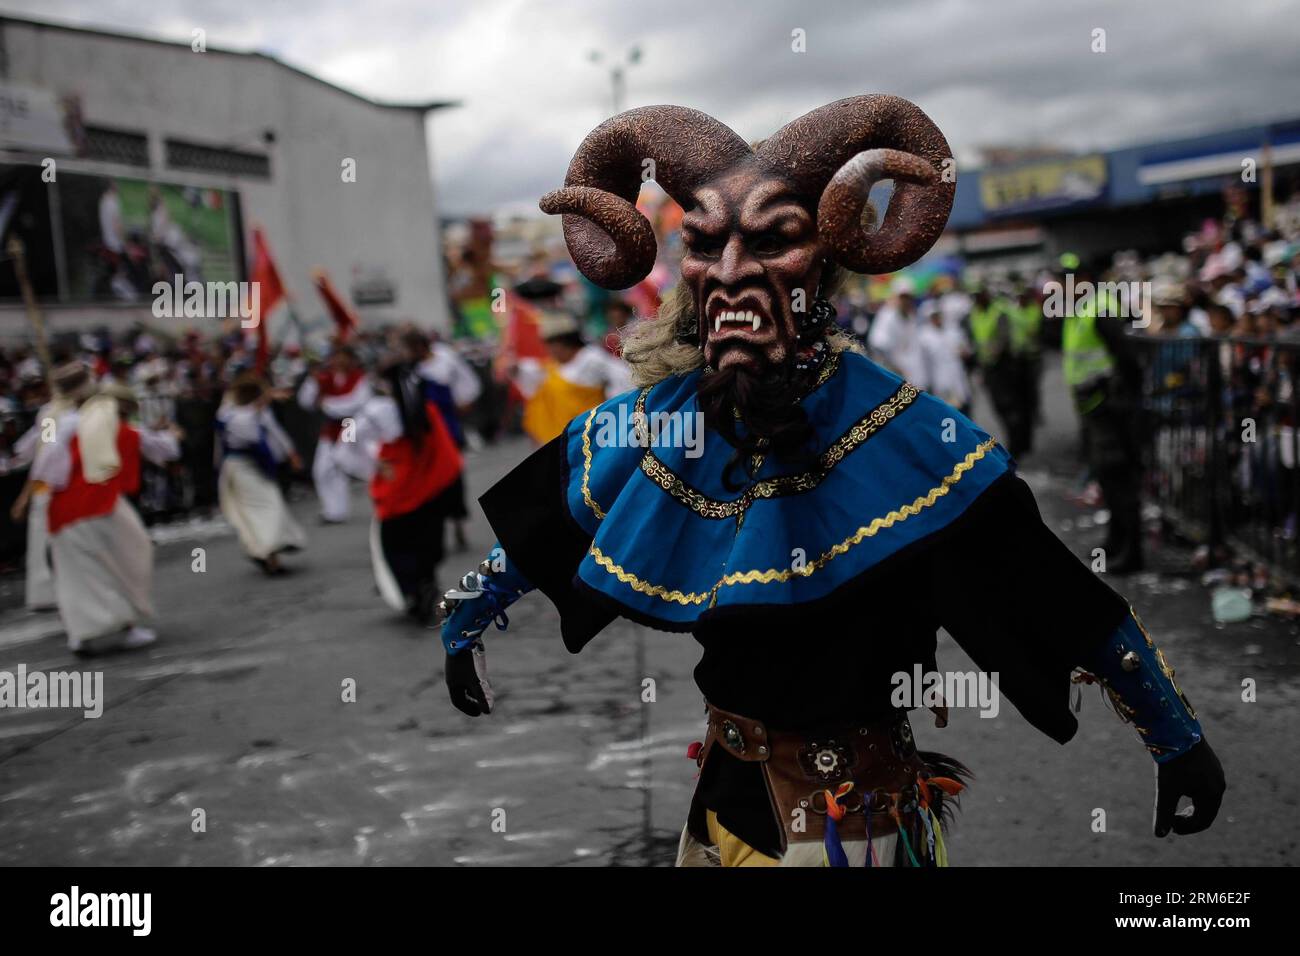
[1026,321]
[985,331]
[1084,352]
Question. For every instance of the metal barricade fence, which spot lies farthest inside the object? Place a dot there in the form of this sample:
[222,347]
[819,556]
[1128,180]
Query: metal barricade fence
[1218,423]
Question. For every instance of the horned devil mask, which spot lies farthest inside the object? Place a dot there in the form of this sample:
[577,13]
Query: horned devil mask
[761,226]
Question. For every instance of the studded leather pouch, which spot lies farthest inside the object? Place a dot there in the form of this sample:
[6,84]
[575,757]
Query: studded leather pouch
[880,759]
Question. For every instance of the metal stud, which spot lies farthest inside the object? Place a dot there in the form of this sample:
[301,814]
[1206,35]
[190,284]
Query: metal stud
[731,733]
[1130,661]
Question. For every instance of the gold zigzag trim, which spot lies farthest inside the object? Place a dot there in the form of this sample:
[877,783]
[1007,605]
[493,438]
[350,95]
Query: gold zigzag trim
[636,584]
[785,574]
[586,467]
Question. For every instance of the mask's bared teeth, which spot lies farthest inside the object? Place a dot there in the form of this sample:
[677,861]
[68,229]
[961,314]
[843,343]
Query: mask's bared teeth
[754,317]
[717,322]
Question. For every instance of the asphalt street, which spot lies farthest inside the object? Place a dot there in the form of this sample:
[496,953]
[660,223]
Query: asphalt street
[239,712]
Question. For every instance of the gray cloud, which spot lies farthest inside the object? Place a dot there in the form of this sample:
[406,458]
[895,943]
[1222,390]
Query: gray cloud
[1009,71]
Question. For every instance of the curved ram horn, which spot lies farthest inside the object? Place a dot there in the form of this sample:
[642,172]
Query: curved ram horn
[836,153]
[611,243]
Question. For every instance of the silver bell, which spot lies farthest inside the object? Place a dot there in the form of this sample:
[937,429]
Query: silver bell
[485,568]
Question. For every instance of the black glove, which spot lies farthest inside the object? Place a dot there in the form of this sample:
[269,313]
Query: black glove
[1196,774]
[466,673]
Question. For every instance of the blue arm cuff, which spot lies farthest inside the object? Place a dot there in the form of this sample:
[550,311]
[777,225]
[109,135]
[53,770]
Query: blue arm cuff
[496,591]
[1141,685]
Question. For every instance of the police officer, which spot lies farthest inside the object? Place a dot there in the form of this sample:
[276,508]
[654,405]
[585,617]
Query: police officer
[993,333]
[1026,341]
[1104,379]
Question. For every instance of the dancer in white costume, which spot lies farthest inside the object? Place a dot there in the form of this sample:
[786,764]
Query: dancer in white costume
[103,558]
[338,390]
[406,450]
[450,383]
[33,502]
[253,445]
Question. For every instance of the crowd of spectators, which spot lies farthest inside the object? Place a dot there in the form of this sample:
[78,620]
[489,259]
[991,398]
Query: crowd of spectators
[1230,295]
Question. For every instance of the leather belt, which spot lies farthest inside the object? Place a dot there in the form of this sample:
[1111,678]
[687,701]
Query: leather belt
[879,759]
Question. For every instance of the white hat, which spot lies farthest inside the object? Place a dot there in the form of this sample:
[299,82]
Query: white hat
[553,325]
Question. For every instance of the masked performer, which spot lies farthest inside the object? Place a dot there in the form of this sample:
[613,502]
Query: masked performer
[834,521]
[338,391]
[415,469]
[103,558]
[253,447]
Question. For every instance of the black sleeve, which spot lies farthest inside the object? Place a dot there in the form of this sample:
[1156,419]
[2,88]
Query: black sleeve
[527,510]
[1021,604]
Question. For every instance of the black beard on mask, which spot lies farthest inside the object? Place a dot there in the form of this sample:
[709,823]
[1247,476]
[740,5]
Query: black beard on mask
[766,400]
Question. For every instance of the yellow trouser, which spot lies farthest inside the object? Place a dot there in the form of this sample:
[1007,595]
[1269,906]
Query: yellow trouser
[733,850]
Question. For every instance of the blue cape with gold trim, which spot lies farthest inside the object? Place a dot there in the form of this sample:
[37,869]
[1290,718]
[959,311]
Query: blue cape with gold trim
[672,546]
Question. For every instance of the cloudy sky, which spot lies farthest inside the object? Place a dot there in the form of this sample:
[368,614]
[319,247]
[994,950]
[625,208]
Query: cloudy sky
[988,72]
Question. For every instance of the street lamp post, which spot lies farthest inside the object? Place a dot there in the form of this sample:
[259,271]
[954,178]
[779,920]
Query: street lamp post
[617,73]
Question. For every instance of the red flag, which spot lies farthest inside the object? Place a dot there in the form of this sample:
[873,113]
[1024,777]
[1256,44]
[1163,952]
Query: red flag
[344,318]
[521,336]
[270,292]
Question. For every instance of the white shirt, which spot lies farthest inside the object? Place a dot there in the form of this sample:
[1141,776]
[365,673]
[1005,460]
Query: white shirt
[54,467]
[110,222]
[954,306]
[30,446]
[945,374]
[446,367]
[895,339]
[243,426]
[337,407]
[591,367]
[378,422]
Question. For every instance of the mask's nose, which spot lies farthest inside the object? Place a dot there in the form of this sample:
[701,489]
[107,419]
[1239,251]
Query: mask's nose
[736,264]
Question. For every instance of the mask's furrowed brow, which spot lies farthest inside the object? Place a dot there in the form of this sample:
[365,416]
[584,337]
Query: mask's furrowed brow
[709,217]
[770,206]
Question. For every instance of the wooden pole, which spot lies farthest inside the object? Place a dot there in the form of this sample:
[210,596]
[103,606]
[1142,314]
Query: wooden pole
[18,254]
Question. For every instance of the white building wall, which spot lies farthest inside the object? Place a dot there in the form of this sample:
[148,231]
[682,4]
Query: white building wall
[311,217]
